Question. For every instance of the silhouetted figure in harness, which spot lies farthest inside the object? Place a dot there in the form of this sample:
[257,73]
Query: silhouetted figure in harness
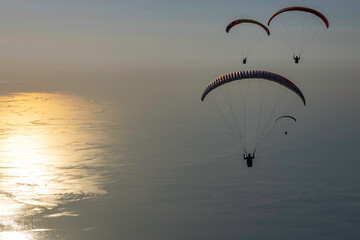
[249,159]
[244,61]
[296,58]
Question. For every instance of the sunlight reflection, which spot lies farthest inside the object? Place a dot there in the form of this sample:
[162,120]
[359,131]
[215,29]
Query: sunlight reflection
[14,236]
[51,148]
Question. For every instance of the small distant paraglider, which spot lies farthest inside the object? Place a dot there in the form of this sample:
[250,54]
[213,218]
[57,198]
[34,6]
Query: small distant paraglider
[285,122]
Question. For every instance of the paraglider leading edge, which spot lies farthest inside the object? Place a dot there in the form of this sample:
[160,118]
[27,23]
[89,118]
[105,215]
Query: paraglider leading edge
[253,74]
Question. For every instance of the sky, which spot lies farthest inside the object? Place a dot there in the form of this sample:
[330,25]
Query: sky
[154,58]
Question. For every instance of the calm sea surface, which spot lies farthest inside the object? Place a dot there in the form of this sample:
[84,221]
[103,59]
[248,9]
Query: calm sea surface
[75,167]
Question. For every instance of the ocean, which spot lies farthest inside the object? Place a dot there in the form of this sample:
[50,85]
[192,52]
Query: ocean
[81,167]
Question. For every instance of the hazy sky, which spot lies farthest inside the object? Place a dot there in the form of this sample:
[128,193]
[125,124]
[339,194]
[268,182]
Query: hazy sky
[59,41]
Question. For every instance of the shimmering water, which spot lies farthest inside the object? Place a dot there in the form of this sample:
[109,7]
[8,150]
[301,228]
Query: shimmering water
[54,150]
[74,167]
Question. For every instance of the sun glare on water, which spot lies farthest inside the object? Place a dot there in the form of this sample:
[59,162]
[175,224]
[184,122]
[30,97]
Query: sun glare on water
[49,144]
[14,236]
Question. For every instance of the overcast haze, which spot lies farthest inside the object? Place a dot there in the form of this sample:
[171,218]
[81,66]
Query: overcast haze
[103,99]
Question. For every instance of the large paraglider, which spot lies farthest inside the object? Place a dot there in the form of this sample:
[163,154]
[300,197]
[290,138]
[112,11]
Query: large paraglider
[299,25]
[249,32]
[249,103]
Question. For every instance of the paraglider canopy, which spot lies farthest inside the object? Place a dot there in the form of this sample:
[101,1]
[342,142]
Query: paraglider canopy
[303,9]
[251,75]
[290,117]
[238,21]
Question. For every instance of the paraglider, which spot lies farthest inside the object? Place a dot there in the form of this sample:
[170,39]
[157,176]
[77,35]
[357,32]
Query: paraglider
[285,122]
[249,159]
[248,102]
[296,58]
[249,35]
[299,28]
